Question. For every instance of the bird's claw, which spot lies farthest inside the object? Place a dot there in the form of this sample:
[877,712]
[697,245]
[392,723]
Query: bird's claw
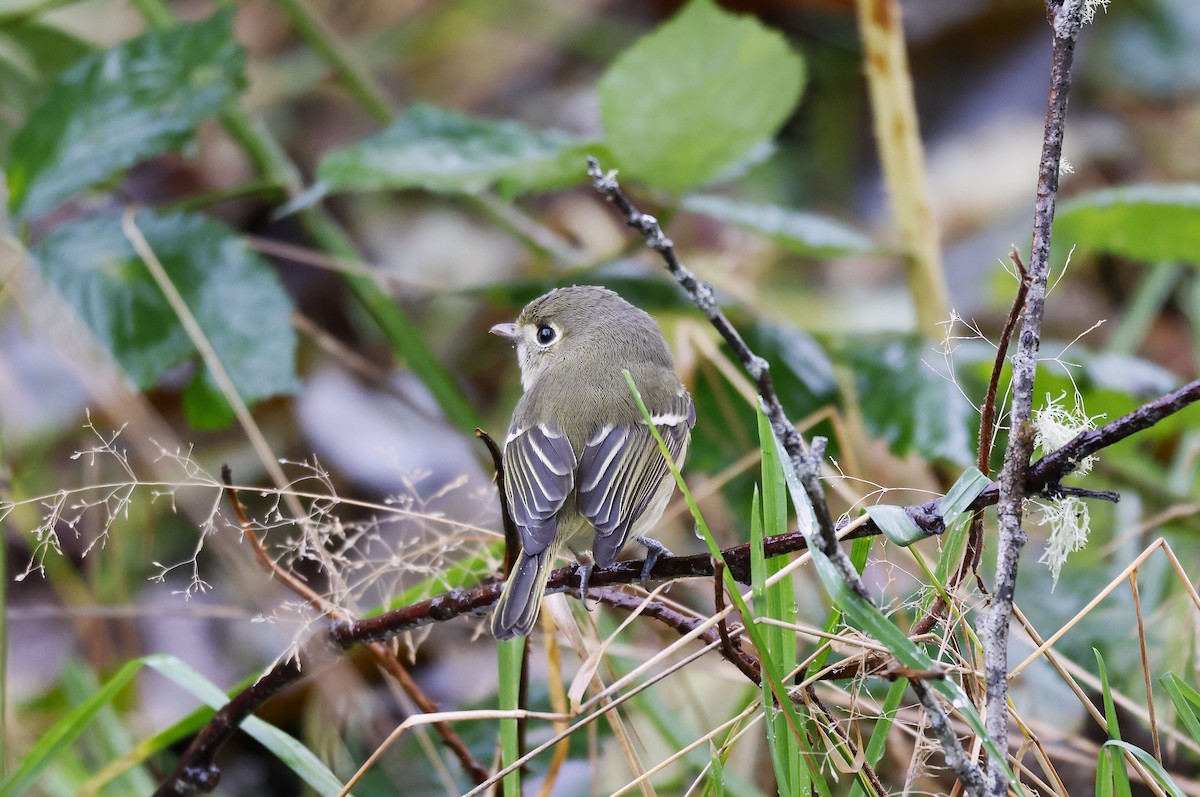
[654,549]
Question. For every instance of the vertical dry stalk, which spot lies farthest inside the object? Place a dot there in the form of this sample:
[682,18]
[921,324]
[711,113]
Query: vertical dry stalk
[899,139]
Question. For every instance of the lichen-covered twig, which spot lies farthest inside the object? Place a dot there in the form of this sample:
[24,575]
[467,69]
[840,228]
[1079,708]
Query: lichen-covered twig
[1066,19]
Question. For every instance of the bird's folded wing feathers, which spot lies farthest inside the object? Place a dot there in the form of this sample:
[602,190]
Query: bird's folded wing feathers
[539,474]
[621,469]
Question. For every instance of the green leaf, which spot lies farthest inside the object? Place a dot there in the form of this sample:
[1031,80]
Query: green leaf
[965,489]
[796,231]
[234,295]
[1152,766]
[1145,222]
[696,96]
[1186,700]
[439,150]
[1120,774]
[896,524]
[63,733]
[32,54]
[284,747]
[204,405]
[117,107]
[908,404]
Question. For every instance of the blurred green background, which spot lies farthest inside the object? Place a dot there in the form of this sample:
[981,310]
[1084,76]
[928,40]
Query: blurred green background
[349,194]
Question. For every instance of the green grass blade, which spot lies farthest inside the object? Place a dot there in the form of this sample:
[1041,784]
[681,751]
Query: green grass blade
[777,602]
[1120,775]
[896,524]
[968,486]
[770,671]
[60,737]
[1186,700]
[883,727]
[1152,766]
[509,654]
[64,733]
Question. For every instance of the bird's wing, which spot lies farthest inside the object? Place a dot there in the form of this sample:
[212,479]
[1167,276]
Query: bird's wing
[539,474]
[621,470]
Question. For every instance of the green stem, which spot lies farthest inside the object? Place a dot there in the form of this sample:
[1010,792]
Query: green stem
[4,482]
[1151,295]
[357,80]
[206,199]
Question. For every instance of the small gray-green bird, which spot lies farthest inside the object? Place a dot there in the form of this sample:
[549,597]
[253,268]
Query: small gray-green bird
[581,467]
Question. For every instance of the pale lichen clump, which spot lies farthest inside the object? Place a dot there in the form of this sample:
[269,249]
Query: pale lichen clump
[1067,516]
[1089,9]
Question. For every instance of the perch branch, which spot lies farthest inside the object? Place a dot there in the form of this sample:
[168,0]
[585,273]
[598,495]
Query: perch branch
[196,771]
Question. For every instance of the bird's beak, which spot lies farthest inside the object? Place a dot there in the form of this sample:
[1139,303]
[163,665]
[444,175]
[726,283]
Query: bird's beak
[506,331]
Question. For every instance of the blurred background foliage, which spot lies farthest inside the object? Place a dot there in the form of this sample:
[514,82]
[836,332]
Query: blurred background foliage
[346,195]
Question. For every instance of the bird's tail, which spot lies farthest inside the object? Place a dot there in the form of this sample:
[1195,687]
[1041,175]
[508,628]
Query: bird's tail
[517,609]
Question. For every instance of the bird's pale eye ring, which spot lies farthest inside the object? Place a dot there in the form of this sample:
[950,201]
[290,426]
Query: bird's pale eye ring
[546,335]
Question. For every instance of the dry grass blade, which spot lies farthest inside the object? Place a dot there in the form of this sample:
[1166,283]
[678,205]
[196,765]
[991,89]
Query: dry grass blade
[440,716]
[557,605]
[1131,568]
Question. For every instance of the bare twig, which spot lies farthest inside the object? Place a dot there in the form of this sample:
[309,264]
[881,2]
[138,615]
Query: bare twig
[956,757]
[750,668]
[512,539]
[1067,19]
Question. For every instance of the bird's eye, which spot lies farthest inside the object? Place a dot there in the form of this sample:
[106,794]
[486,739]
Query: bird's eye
[546,335]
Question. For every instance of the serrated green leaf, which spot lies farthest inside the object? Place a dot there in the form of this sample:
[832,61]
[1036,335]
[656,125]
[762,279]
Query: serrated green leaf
[234,295]
[896,524]
[796,231]
[32,54]
[908,404]
[693,98]
[117,107]
[438,150]
[1145,222]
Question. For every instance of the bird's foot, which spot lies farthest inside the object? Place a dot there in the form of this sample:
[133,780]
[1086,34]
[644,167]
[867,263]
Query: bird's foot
[654,549]
[584,567]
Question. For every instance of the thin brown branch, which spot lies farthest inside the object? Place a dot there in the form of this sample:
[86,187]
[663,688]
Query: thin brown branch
[866,771]
[750,668]
[387,660]
[993,624]
[973,550]
[512,540]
